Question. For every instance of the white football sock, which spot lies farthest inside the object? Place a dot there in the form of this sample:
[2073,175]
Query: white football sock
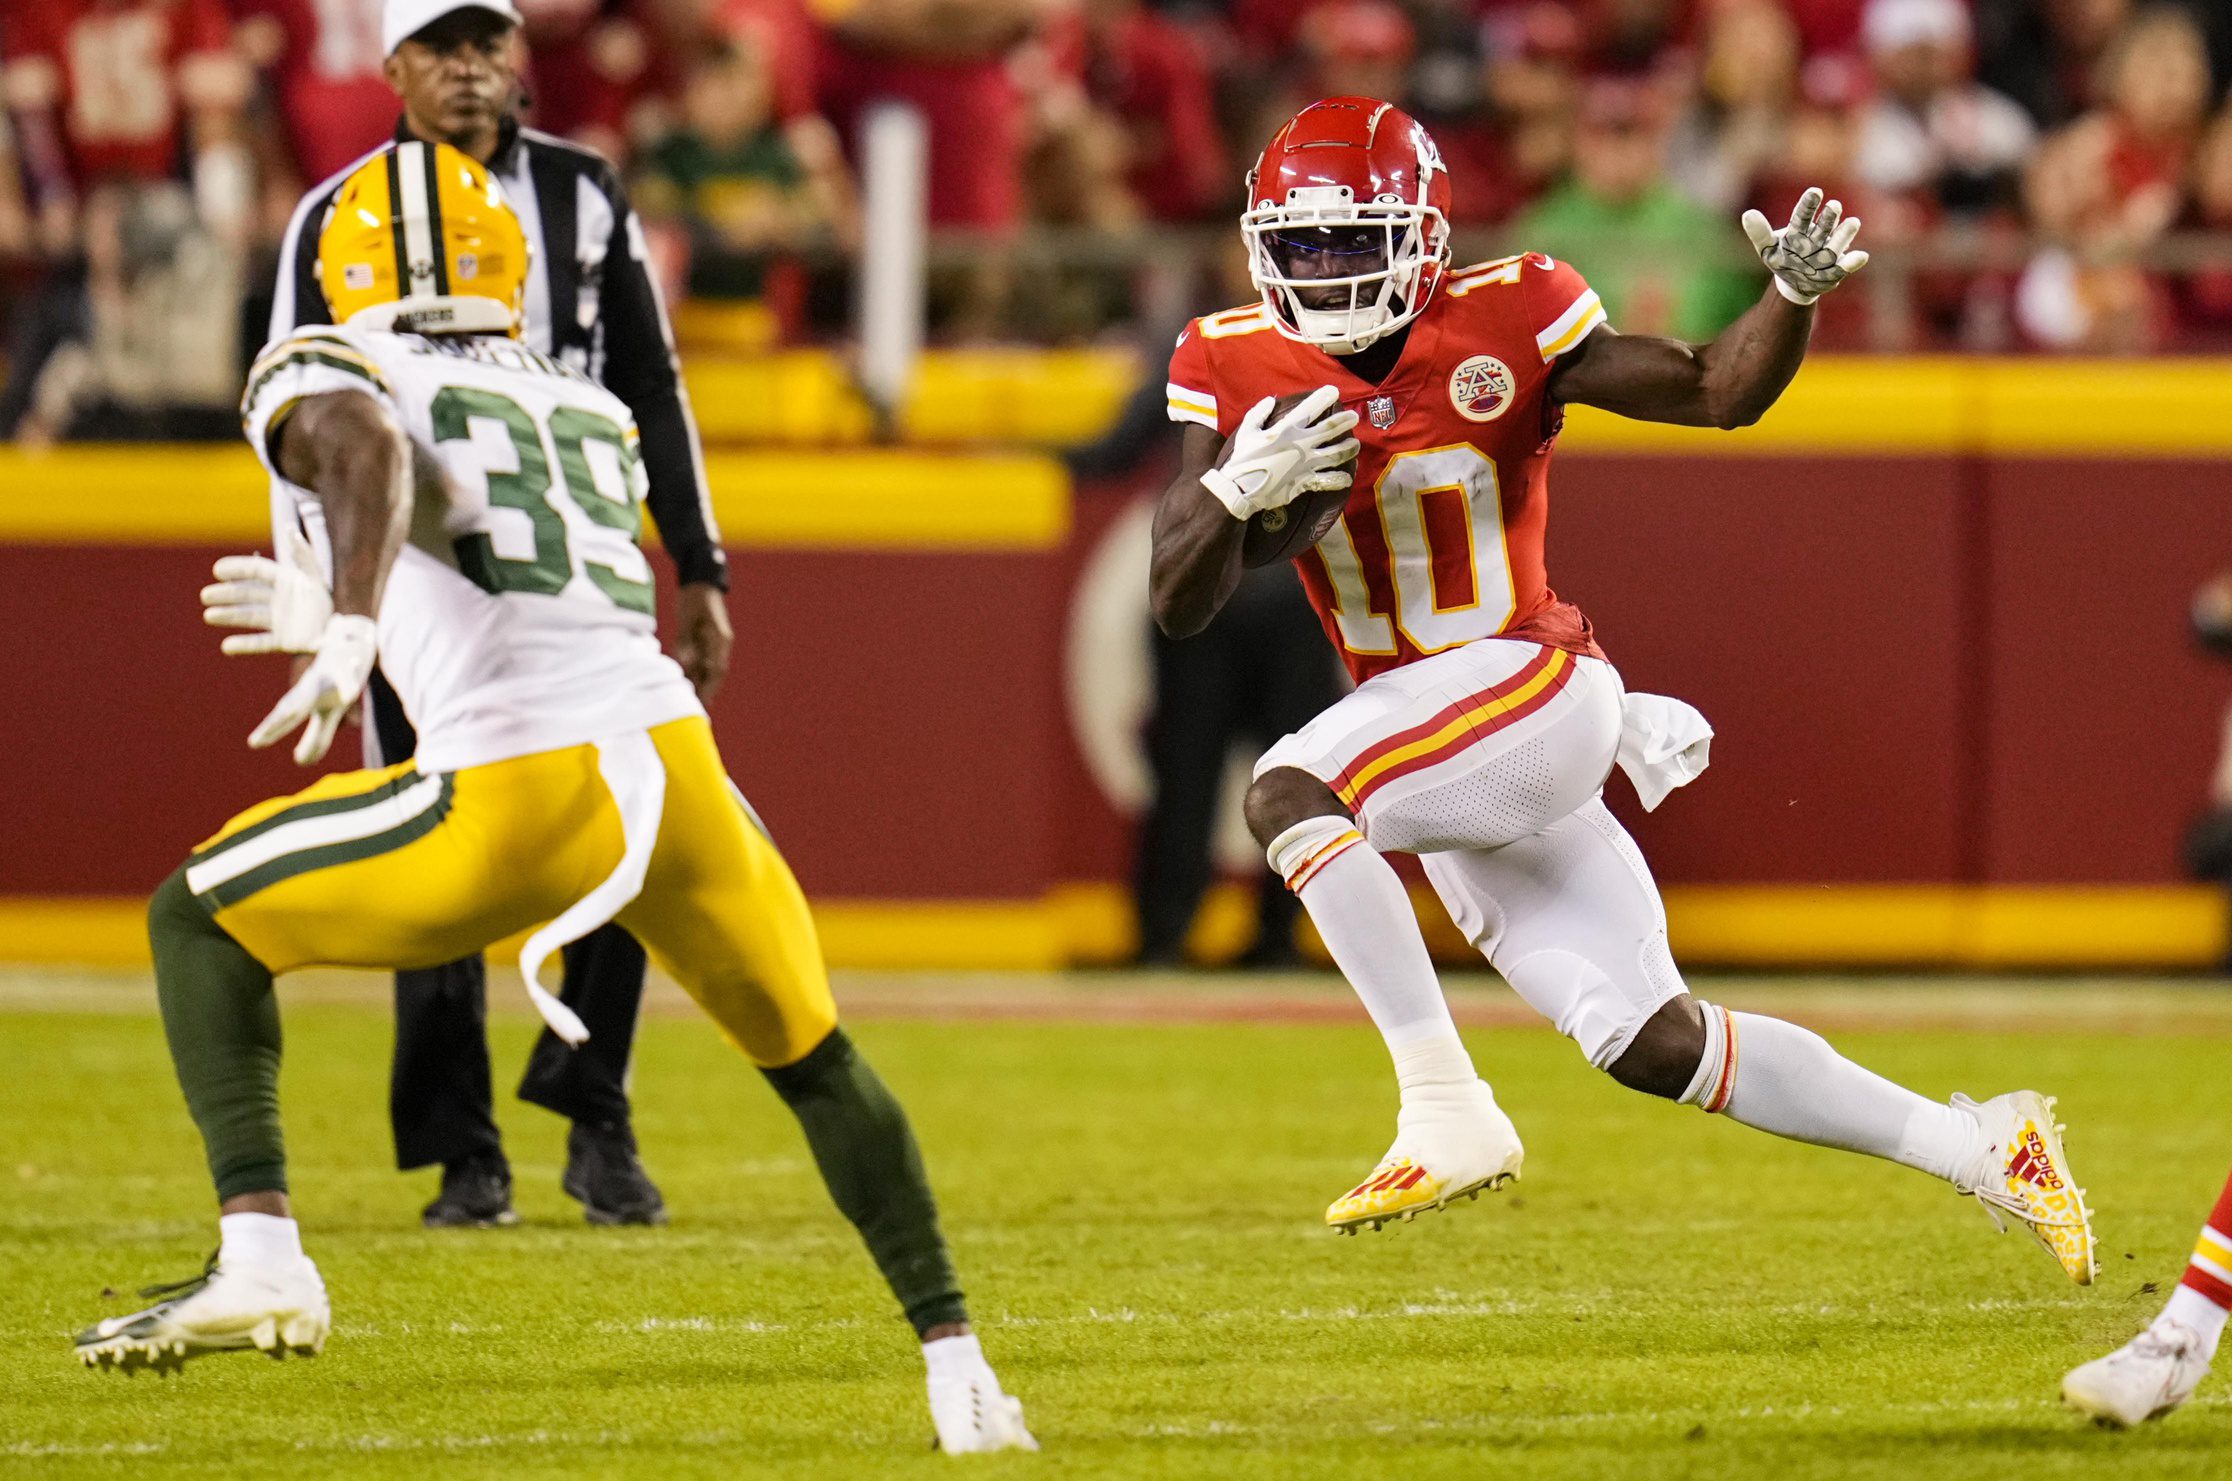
[953,1356]
[2189,1308]
[1784,1079]
[257,1239]
[1363,914]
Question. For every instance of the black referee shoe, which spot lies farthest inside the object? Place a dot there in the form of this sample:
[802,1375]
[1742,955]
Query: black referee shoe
[476,1194]
[605,1174]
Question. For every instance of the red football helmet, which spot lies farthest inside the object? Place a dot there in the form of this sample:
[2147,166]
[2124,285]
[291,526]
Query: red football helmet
[1349,195]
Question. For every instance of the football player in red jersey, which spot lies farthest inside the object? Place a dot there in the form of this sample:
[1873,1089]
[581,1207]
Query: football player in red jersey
[1486,719]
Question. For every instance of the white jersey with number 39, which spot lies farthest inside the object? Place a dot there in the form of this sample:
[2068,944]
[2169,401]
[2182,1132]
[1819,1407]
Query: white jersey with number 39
[520,615]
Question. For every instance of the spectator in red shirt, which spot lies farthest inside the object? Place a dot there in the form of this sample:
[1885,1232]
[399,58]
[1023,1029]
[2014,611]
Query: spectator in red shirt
[321,60]
[2208,294]
[2104,189]
[629,66]
[949,60]
[585,66]
[1147,75]
[2158,93]
[131,90]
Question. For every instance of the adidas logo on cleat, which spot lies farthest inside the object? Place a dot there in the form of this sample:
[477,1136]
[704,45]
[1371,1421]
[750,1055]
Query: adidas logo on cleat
[2032,1164]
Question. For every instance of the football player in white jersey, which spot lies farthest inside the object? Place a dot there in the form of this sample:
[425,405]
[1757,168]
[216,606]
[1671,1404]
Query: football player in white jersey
[474,509]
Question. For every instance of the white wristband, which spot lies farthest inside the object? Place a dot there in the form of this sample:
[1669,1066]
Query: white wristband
[1803,300]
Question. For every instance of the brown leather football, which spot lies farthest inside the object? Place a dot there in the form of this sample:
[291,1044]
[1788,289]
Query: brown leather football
[1284,533]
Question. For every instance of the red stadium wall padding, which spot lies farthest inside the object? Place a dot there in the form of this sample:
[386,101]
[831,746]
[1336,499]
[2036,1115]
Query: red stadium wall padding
[1810,608]
[2100,717]
[1923,669]
[895,718]
[893,715]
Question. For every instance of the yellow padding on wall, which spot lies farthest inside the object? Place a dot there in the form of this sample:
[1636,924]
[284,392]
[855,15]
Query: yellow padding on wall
[783,500]
[2005,926]
[1940,404]
[1043,398]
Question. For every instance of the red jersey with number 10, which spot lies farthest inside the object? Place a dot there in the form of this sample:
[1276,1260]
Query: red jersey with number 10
[1441,542]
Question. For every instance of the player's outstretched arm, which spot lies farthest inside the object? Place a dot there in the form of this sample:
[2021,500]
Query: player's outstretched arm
[1196,562]
[345,448]
[1732,381]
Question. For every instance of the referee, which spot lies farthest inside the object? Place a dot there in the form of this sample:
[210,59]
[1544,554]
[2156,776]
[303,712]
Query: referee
[591,303]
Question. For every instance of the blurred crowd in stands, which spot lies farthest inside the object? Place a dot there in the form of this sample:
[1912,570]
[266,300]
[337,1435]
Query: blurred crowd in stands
[2035,174]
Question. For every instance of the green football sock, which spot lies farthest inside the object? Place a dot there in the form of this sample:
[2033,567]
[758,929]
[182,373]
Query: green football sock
[222,1020]
[868,1157]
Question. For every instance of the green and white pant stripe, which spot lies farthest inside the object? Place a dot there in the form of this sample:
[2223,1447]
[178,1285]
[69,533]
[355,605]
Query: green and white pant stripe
[318,835]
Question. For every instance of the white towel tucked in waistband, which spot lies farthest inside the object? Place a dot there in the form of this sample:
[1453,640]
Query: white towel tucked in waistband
[1663,745]
[631,768]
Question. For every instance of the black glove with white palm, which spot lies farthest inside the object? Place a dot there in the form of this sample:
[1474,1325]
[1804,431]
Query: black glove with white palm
[1271,464]
[1811,255]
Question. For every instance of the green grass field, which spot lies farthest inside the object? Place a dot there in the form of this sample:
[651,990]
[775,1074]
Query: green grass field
[1133,1173]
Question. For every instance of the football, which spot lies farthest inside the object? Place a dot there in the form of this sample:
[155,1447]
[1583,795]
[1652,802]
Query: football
[1284,533]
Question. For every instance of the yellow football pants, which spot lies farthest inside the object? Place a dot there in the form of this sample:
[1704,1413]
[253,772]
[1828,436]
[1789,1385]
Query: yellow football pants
[401,868]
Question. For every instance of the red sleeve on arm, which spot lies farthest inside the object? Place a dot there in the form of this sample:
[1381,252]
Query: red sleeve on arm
[1562,309]
[1193,382]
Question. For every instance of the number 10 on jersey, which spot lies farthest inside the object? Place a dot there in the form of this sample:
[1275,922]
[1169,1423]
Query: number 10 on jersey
[1440,516]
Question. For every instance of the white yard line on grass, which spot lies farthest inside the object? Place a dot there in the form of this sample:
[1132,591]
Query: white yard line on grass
[2053,1417]
[2121,1006]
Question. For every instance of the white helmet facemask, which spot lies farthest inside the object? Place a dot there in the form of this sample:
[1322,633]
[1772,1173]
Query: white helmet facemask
[1390,241]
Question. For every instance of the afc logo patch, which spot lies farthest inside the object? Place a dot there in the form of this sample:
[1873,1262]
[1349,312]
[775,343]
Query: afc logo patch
[1480,388]
[1381,410]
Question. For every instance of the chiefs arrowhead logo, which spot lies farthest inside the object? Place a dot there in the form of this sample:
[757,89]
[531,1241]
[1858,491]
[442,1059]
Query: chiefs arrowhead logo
[1481,388]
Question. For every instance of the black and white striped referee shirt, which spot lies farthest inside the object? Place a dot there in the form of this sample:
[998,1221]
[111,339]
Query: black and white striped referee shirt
[591,302]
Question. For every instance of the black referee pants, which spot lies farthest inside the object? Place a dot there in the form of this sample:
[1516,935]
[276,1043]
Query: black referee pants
[440,1100]
[1257,672]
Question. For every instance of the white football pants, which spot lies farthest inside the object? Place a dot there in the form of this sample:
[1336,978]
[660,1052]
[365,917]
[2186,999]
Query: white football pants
[1489,762]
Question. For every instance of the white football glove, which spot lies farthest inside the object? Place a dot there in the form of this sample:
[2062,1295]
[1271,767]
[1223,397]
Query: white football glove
[284,607]
[1273,465]
[1811,255]
[341,662]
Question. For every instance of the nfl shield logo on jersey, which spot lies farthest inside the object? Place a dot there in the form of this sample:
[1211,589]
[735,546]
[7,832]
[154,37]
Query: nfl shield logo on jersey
[1381,409]
[1480,388]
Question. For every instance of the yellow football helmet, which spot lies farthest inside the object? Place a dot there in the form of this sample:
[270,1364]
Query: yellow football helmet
[420,240]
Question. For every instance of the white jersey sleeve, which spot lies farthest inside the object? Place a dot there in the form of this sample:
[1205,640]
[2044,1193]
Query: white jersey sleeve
[310,361]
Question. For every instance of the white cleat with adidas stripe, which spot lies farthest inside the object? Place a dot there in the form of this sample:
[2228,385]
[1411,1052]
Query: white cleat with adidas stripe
[2144,1379]
[2023,1173]
[1449,1145]
[277,1309]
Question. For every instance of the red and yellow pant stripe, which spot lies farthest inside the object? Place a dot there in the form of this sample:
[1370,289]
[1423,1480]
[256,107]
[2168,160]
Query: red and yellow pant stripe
[1449,731]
